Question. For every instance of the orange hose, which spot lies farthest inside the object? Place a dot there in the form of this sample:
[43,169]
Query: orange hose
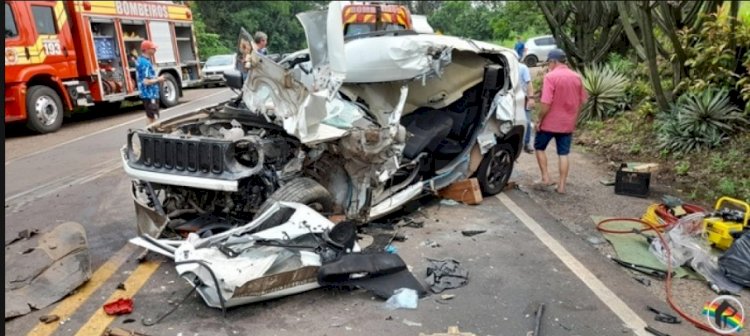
[668,283]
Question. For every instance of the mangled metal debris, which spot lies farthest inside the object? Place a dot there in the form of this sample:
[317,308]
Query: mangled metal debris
[373,122]
[288,249]
[42,275]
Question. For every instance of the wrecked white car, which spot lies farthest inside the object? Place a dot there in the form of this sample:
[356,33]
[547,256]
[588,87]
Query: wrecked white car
[355,127]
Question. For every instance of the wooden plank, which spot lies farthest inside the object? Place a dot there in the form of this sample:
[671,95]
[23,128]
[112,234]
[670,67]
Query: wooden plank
[466,191]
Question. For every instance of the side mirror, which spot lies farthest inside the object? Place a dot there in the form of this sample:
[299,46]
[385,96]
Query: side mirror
[233,79]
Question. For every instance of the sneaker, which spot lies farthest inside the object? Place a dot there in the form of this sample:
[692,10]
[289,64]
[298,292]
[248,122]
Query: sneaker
[528,149]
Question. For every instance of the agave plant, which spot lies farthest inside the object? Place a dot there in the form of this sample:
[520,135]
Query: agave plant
[606,88]
[699,120]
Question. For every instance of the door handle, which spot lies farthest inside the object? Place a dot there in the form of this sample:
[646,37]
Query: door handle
[28,54]
[65,51]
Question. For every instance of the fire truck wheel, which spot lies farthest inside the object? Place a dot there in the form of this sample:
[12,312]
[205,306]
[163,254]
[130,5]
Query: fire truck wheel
[44,109]
[169,91]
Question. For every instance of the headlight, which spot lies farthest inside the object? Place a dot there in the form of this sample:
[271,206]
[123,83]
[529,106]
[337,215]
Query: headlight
[135,147]
[505,126]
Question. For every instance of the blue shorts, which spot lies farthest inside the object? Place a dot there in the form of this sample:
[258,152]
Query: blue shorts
[562,140]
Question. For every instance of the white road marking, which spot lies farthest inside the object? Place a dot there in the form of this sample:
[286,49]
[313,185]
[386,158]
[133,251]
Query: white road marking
[619,307]
[111,128]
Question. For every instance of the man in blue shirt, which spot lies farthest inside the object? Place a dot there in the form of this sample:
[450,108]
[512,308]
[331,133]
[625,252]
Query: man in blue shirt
[520,46]
[524,81]
[148,83]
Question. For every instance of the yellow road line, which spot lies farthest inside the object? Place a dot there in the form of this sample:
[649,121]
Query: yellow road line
[69,305]
[100,320]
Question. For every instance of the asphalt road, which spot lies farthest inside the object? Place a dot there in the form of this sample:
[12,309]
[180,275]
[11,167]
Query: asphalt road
[524,258]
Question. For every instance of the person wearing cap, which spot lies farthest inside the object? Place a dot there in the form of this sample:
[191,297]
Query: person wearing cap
[563,96]
[148,82]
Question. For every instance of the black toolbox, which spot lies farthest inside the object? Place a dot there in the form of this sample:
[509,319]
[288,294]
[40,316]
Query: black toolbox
[632,183]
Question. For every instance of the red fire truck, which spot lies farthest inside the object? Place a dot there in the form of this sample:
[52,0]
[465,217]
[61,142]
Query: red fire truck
[60,55]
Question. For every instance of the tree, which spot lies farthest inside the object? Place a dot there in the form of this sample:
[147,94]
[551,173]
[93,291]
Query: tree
[517,17]
[585,30]
[275,18]
[209,44]
[464,19]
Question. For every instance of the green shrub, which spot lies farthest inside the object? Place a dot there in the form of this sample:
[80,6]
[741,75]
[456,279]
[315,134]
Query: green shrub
[636,92]
[606,89]
[620,63]
[697,121]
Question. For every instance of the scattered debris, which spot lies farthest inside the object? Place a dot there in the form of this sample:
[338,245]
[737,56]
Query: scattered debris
[466,191]
[647,270]
[24,234]
[594,240]
[448,202]
[411,323]
[430,243]
[654,331]
[119,307]
[389,318]
[469,233]
[645,281]
[445,274]
[57,266]
[128,320]
[607,182]
[405,298]
[664,317]
[49,318]
[447,296]
[121,286]
[452,331]
[391,249]
[121,332]
[538,319]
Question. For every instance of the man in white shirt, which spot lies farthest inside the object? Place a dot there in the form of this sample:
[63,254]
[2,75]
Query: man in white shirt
[528,89]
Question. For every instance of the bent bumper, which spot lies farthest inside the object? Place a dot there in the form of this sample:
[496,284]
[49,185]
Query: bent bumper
[177,180]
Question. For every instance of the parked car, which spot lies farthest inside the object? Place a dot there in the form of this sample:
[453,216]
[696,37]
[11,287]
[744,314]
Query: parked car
[537,49]
[354,127]
[215,67]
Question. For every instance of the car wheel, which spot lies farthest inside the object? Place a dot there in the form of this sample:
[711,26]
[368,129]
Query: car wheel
[300,190]
[531,61]
[169,92]
[44,109]
[495,169]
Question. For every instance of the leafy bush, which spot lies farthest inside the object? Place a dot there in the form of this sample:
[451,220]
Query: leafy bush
[620,63]
[697,121]
[606,89]
[711,60]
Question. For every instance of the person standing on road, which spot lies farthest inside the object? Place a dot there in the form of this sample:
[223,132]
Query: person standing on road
[563,96]
[520,47]
[148,83]
[261,40]
[529,103]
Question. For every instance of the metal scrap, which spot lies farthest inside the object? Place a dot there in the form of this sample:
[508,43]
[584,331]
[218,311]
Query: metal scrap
[23,234]
[58,265]
[445,274]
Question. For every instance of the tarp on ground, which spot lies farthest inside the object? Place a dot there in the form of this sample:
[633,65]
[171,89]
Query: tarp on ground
[633,248]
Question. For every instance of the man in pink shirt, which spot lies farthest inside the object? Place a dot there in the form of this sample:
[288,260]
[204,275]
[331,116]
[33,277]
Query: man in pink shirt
[563,96]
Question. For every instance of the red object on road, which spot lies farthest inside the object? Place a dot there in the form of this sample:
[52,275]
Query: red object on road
[119,307]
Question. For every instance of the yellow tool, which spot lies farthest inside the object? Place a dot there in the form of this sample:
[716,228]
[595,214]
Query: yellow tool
[722,226]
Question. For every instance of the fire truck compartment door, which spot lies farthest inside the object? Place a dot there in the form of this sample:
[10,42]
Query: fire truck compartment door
[161,34]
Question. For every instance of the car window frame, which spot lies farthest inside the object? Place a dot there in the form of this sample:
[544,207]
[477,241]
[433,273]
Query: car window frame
[13,20]
[36,22]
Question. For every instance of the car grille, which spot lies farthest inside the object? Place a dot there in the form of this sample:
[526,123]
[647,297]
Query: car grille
[183,155]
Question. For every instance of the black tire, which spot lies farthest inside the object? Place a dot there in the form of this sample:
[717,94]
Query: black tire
[495,169]
[300,190]
[531,61]
[169,91]
[44,109]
